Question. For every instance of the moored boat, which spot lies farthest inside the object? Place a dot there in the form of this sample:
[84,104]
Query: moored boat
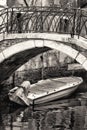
[45,90]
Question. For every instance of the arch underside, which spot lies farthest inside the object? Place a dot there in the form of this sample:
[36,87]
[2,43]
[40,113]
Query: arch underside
[11,64]
[16,55]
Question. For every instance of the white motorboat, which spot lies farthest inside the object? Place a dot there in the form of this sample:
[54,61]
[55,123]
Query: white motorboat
[46,90]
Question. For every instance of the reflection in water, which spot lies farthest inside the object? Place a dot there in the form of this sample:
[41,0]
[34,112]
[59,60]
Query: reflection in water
[65,114]
[68,116]
[1,123]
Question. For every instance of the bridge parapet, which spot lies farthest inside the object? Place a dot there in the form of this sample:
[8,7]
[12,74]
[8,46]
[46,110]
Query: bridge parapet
[42,20]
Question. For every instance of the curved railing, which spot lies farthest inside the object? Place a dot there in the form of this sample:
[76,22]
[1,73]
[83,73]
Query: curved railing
[43,19]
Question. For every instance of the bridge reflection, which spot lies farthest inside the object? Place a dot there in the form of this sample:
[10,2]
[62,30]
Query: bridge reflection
[63,114]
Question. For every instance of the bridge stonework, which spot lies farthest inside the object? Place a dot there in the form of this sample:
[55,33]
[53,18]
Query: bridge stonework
[7,43]
[17,54]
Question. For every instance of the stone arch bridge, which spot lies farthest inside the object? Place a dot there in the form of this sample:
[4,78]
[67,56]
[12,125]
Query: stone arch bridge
[16,55]
[40,36]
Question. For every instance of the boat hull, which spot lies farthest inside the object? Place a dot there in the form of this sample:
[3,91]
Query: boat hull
[56,95]
[47,90]
[50,97]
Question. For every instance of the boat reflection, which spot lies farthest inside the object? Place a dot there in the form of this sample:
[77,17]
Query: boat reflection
[67,114]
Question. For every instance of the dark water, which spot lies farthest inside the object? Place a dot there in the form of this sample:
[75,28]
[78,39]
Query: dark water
[64,114]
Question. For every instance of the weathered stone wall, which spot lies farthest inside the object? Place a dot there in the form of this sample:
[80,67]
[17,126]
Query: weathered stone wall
[62,3]
[33,75]
[29,2]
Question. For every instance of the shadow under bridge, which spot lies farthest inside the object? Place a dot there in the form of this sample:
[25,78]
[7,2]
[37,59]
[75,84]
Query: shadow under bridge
[16,55]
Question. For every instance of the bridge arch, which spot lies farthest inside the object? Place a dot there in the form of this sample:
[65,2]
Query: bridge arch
[63,38]
[16,55]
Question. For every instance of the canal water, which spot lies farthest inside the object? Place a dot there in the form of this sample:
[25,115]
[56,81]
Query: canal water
[64,114]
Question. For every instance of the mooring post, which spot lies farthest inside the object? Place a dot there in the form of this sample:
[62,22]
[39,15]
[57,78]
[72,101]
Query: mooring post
[13,82]
[42,76]
[33,106]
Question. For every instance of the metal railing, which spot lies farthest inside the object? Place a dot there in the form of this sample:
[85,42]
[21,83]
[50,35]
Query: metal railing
[43,19]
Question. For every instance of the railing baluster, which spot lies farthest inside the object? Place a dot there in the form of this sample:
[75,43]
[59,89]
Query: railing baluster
[80,12]
[73,27]
[11,21]
[7,21]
